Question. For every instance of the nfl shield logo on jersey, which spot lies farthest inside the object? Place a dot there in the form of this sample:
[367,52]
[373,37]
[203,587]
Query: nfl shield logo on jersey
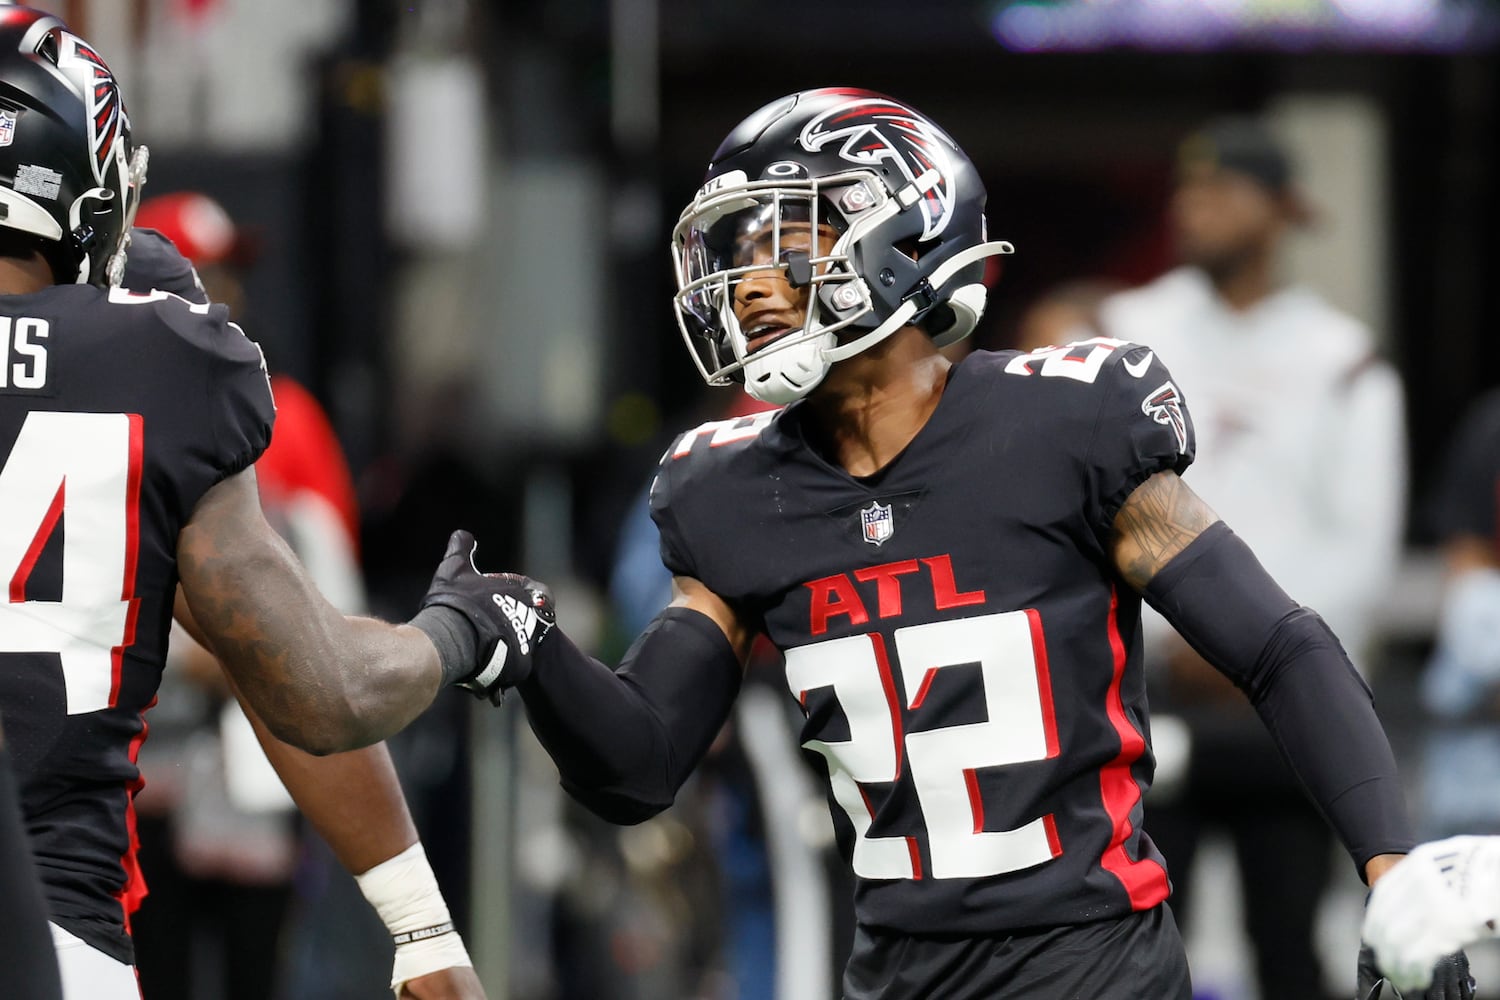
[877,522]
[7,127]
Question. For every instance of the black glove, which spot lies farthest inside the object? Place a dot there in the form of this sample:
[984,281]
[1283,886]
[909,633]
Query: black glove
[1450,979]
[507,615]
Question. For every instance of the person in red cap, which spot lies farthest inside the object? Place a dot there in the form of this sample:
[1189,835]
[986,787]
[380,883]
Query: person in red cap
[305,456]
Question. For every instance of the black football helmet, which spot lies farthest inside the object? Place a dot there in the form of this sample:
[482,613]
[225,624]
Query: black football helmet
[901,213]
[70,176]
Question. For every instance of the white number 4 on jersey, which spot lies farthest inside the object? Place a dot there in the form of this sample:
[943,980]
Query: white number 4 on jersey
[83,470]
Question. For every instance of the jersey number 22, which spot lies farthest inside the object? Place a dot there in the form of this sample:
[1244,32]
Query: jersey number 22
[1009,651]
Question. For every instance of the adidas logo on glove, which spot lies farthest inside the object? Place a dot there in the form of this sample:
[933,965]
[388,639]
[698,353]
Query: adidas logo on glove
[523,619]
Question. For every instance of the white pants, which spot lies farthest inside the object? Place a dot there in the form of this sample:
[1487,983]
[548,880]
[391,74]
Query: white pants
[89,974]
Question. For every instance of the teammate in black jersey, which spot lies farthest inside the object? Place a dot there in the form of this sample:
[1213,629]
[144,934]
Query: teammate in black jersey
[128,428]
[951,559]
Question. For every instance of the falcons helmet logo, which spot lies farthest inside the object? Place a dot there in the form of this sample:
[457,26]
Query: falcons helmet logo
[1164,405]
[106,110]
[876,129]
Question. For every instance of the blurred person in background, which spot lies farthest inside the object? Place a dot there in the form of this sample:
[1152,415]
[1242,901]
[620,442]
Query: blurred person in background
[1460,686]
[1063,314]
[1448,891]
[1303,451]
[131,422]
[219,832]
[951,560]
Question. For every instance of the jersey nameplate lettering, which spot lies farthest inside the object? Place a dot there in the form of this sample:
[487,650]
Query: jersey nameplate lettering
[24,367]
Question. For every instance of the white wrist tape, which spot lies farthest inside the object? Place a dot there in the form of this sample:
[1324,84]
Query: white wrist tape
[405,893]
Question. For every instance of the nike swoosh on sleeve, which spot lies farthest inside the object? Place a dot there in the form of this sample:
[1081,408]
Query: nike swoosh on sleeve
[1138,369]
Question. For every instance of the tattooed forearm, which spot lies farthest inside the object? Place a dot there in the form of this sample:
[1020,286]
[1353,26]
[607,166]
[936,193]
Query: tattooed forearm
[1157,521]
[320,681]
[238,588]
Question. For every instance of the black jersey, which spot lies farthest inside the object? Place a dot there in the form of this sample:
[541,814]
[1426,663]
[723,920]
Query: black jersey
[154,262]
[117,413]
[968,661]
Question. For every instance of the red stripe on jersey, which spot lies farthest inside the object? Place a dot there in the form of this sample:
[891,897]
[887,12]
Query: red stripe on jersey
[877,641]
[39,542]
[117,654]
[1049,823]
[132,553]
[1043,681]
[133,505]
[916,858]
[1145,882]
[924,687]
[134,890]
[976,803]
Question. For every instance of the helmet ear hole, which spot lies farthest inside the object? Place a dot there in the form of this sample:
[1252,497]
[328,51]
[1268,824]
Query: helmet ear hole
[910,247]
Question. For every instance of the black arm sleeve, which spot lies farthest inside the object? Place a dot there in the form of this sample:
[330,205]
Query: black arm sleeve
[1317,707]
[625,740]
[26,946]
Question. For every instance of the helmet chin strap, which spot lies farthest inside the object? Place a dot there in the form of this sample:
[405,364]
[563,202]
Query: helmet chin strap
[904,313]
[786,375]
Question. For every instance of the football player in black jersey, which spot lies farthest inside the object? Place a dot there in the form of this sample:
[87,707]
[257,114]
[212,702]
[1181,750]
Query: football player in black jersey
[951,559]
[129,425]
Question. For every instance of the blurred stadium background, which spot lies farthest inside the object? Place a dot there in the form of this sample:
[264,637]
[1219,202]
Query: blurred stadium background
[462,209]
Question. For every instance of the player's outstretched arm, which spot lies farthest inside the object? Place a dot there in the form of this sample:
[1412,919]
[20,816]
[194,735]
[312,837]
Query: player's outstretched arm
[354,801]
[322,681]
[1175,551]
[1172,548]
[625,740]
